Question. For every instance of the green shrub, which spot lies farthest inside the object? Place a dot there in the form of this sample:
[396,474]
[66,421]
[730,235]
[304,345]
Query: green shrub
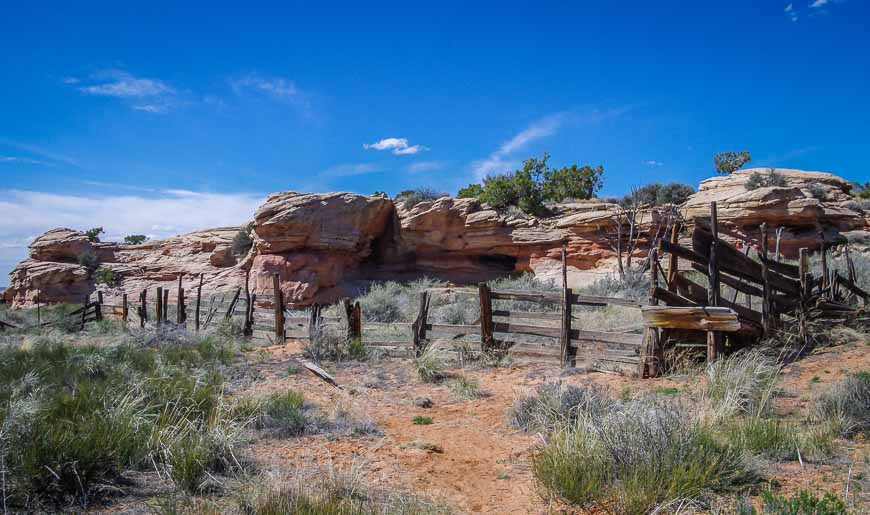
[770,438]
[413,197]
[135,239]
[818,191]
[471,191]
[105,276]
[764,180]
[242,241]
[727,163]
[422,421]
[90,261]
[94,234]
[552,406]
[283,411]
[803,503]
[657,194]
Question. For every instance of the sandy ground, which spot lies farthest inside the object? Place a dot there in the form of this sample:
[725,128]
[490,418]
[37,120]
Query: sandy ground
[484,466]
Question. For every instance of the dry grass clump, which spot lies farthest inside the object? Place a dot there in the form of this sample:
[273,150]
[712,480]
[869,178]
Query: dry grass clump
[740,384]
[846,405]
[326,491]
[430,364]
[467,387]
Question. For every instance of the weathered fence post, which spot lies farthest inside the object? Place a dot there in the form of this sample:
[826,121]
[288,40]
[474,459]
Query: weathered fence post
[198,300]
[824,254]
[143,308]
[673,259]
[714,338]
[278,301]
[85,310]
[98,309]
[766,304]
[348,318]
[38,314]
[179,309]
[124,309]
[159,305]
[166,305]
[650,350]
[314,323]
[805,277]
[249,315]
[565,339]
[486,326]
[357,320]
[418,328]
[232,307]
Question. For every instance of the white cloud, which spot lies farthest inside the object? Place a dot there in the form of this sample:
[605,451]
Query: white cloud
[399,146]
[653,162]
[120,84]
[71,80]
[819,3]
[789,8]
[277,88]
[499,161]
[23,160]
[350,169]
[425,166]
[791,12]
[152,108]
[36,212]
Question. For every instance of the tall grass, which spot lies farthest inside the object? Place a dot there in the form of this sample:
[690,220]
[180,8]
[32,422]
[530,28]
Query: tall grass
[846,405]
[75,415]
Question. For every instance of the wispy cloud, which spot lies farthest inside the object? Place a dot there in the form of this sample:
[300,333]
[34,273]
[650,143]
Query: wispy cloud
[425,166]
[349,170]
[121,84]
[653,162]
[777,159]
[399,146]
[148,95]
[791,12]
[42,152]
[276,88]
[23,160]
[120,215]
[503,159]
[819,3]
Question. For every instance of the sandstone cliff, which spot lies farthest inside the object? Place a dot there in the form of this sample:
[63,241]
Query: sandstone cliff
[324,245]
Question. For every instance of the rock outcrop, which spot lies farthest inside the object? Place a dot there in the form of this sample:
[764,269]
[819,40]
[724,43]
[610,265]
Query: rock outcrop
[322,246]
[808,203]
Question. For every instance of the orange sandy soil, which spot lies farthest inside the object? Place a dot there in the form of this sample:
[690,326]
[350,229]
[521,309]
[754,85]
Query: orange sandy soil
[484,466]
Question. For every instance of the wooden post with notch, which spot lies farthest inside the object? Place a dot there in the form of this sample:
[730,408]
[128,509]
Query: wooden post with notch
[418,328]
[278,302]
[159,305]
[486,326]
[198,300]
[565,337]
[714,338]
[765,277]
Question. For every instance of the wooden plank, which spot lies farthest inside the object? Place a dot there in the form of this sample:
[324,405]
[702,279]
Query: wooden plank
[690,289]
[453,329]
[295,335]
[594,300]
[672,299]
[531,349]
[524,296]
[507,327]
[628,339]
[700,298]
[786,269]
[322,374]
[531,315]
[565,337]
[696,318]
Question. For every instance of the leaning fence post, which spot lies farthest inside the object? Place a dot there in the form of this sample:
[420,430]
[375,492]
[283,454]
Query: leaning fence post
[824,283]
[486,325]
[673,259]
[198,299]
[98,310]
[565,339]
[124,309]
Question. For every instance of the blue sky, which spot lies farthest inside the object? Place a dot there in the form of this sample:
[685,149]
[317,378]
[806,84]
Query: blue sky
[158,119]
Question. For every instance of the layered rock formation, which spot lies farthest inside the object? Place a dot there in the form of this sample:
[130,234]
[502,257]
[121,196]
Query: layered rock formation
[322,245]
[809,203]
